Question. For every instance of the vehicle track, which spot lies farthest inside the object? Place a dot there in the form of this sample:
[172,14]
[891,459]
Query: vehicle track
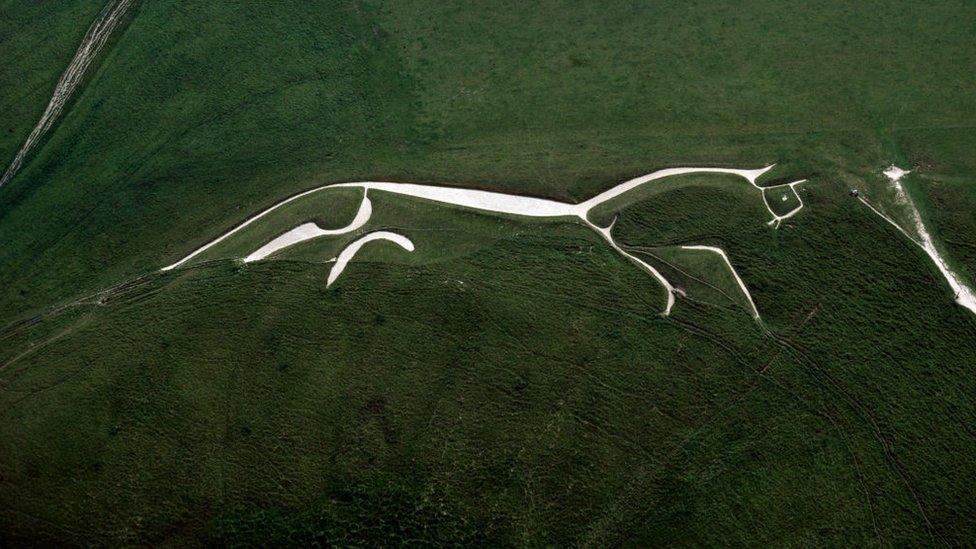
[91,45]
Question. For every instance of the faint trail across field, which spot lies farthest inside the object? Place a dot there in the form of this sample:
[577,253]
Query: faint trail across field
[96,37]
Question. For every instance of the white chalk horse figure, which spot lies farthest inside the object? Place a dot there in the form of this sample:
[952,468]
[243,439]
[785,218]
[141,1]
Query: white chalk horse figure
[487,201]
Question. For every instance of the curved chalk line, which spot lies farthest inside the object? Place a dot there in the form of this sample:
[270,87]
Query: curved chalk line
[777,219]
[488,200]
[311,230]
[351,250]
[742,285]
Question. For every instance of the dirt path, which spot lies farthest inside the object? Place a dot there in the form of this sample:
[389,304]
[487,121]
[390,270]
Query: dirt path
[96,37]
[964,295]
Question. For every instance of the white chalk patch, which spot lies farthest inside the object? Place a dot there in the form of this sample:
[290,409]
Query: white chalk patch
[309,231]
[350,251]
[895,173]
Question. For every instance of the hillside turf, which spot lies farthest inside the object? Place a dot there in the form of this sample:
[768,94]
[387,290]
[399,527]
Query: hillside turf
[509,382]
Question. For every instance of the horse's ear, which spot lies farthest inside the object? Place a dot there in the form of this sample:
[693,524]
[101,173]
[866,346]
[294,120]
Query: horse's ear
[756,174]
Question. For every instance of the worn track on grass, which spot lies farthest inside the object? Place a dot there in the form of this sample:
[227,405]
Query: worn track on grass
[95,39]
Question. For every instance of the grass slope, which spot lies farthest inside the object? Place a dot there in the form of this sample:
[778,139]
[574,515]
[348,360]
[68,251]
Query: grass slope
[245,107]
[548,401]
[249,104]
[508,383]
[702,275]
[37,40]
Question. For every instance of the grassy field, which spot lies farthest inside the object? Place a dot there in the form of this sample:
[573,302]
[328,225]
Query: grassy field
[239,113]
[701,275]
[549,401]
[37,39]
[508,383]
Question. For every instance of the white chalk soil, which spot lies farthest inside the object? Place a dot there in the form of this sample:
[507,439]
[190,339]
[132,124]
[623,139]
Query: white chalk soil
[309,231]
[777,219]
[501,203]
[894,173]
[350,251]
[964,295]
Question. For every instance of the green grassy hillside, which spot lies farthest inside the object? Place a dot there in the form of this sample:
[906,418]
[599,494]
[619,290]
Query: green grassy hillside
[205,111]
[548,400]
[37,40]
[508,382]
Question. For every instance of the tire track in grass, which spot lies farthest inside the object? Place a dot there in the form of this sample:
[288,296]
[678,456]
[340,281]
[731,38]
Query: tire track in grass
[860,410]
[91,45]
